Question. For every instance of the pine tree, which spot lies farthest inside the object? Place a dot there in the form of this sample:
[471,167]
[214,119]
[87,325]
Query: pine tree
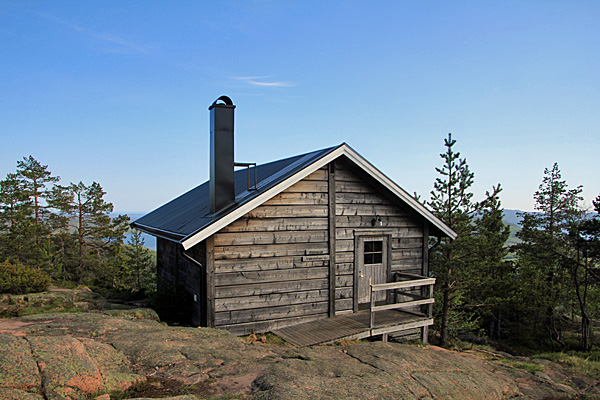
[451,201]
[457,265]
[582,260]
[545,249]
[16,225]
[35,177]
[88,227]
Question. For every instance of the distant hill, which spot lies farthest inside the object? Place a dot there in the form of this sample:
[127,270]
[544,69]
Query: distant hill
[511,217]
[513,220]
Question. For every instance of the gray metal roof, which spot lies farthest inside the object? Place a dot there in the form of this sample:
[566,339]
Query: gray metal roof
[189,213]
[187,219]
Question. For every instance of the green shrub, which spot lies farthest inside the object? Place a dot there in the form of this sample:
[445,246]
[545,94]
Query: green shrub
[21,279]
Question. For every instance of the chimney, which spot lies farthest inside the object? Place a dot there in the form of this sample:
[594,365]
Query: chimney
[222,187]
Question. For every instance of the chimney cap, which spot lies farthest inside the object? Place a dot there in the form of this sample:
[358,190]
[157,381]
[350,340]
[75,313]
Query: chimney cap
[224,99]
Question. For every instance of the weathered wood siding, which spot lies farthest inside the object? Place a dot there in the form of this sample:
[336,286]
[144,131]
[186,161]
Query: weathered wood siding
[183,279]
[357,204]
[271,266]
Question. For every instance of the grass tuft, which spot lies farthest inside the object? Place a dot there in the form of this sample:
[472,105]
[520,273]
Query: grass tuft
[531,367]
[576,362]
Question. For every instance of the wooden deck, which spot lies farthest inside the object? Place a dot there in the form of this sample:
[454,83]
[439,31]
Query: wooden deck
[351,326]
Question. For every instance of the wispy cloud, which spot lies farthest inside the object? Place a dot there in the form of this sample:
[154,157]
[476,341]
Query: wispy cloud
[118,44]
[263,81]
[125,46]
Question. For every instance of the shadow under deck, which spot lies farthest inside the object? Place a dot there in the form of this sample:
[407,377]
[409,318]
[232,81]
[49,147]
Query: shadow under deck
[350,327]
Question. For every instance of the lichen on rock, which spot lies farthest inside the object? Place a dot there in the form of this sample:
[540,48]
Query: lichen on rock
[82,355]
[18,369]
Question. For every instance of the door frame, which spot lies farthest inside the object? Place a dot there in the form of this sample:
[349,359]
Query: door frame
[359,238]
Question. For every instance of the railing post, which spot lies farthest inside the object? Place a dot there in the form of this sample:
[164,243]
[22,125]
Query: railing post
[430,306]
[395,290]
[372,301]
[424,301]
[425,329]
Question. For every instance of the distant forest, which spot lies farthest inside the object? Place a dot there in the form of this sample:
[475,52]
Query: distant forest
[538,290]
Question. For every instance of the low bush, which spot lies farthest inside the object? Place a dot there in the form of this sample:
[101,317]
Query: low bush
[22,279]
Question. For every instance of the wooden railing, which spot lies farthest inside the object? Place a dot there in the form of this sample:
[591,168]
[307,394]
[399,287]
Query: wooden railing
[410,281]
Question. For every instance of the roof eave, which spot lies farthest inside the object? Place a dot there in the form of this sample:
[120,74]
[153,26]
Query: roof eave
[174,237]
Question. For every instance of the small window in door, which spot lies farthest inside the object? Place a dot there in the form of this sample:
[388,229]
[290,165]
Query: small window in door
[373,252]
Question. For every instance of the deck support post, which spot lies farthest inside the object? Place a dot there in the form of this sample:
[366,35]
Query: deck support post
[425,334]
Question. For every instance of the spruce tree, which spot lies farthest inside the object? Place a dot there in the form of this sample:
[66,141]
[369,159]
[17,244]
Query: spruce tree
[491,286]
[140,263]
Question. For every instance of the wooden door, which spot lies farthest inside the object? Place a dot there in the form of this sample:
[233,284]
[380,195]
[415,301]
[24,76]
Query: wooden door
[372,259]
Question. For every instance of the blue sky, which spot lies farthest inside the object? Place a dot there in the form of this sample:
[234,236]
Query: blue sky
[117,92]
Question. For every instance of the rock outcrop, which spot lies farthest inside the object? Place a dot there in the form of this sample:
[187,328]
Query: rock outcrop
[78,355]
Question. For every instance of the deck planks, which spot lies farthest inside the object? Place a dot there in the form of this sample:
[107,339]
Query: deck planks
[348,326]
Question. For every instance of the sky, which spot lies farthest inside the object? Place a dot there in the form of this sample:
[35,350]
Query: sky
[118,92]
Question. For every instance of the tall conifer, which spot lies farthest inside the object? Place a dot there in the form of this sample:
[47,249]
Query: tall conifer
[543,253]
[35,177]
[451,201]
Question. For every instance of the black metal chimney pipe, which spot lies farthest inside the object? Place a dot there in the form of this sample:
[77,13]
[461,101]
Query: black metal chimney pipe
[222,184]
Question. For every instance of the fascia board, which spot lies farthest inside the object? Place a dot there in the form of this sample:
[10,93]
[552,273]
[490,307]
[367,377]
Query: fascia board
[219,224]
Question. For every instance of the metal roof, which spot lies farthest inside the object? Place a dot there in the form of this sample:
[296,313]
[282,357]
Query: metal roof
[187,219]
[189,213]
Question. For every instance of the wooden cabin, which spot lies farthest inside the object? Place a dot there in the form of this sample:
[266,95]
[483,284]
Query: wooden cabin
[306,238]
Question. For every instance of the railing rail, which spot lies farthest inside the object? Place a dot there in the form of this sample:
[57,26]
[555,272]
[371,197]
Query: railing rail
[413,281]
